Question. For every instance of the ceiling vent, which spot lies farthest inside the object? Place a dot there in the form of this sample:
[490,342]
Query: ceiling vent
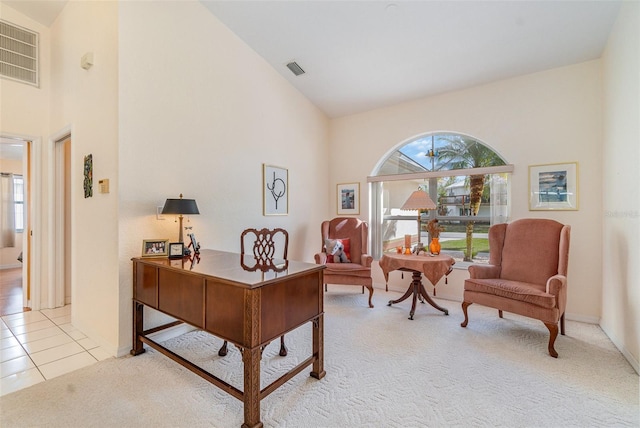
[18,53]
[295,68]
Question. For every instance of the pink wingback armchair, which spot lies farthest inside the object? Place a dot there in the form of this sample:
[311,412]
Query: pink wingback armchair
[526,275]
[358,272]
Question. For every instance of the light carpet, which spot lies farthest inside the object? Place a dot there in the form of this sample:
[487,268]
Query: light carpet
[383,370]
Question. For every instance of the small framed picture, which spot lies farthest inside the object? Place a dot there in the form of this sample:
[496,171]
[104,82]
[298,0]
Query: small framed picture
[176,250]
[348,198]
[155,247]
[275,190]
[553,187]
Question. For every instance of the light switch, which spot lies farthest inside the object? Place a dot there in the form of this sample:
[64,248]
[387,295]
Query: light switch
[104,185]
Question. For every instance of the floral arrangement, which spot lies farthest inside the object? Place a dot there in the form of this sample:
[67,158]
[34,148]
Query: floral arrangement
[434,228]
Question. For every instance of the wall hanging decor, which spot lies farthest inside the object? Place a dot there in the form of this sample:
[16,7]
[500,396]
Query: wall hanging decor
[553,187]
[275,190]
[88,176]
[348,198]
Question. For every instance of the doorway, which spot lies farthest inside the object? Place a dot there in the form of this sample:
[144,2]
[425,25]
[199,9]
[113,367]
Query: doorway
[14,241]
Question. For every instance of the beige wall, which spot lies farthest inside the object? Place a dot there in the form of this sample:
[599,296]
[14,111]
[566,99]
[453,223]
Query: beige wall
[548,117]
[621,207]
[24,112]
[86,102]
[200,113]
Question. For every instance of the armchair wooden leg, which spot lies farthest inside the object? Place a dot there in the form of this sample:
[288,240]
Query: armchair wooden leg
[465,305]
[370,287]
[562,325]
[500,313]
[325,287]
[363,289]
[553,333]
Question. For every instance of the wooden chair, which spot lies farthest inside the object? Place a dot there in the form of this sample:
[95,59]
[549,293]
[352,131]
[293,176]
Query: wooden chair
[269,250]
[358,271]
[526,274]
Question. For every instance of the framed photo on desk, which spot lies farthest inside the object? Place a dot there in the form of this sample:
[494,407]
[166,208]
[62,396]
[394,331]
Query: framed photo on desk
[155,247]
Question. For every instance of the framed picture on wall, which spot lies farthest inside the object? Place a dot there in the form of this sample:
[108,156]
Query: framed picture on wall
[275,190]
[553,187]
[348,198]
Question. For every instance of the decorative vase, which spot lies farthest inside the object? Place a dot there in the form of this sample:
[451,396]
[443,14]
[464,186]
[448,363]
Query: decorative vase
[434,246]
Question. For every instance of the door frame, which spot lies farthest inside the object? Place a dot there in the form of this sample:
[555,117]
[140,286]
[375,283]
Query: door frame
[56,218]
[31,237]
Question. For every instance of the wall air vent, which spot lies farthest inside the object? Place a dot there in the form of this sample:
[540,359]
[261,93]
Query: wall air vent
[18,54]
[295,68]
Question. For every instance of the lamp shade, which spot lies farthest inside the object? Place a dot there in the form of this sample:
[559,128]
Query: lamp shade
[180,206]
[419,200]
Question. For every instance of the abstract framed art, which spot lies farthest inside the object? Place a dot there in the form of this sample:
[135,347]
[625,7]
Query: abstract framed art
[275,190]
[553,187]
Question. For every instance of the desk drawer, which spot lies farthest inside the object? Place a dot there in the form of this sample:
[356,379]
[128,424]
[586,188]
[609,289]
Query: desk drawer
[182,296]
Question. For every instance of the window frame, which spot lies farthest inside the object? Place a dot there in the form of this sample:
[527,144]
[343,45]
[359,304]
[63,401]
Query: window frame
[419,172]
[19,216]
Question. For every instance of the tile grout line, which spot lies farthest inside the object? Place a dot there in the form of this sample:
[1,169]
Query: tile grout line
[28,354]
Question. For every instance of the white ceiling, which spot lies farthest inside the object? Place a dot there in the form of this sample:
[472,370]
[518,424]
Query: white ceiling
[361,55]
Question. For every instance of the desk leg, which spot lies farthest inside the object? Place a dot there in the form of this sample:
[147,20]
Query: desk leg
[318,347]
[138,328]
[251,359]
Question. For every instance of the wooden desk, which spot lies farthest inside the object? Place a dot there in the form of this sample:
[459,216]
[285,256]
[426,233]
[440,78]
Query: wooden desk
[246,308]
[433,267]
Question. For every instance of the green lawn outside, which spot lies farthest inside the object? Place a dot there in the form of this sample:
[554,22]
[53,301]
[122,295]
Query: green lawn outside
[479,245]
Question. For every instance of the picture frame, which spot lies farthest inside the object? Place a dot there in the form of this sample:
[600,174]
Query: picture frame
[275,190]
[348,198]
[176,250]
[155,247]
[194,245]
[553,187]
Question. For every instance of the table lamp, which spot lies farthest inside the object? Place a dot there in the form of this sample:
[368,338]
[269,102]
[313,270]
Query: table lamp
[419,200]
[181,207]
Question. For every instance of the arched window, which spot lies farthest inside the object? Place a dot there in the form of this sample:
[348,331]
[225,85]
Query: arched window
[467,180]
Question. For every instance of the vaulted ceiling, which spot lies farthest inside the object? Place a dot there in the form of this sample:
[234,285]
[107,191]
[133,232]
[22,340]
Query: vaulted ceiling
[362,55]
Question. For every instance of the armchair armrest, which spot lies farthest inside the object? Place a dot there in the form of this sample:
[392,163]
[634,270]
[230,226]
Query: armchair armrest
[484,271]
[366,260]
[556,283]
[321,258]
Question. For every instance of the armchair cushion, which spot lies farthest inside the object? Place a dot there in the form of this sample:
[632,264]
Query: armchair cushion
[514,290]
[352,269]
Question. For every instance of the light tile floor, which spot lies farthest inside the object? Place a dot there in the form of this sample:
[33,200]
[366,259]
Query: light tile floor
[39,345]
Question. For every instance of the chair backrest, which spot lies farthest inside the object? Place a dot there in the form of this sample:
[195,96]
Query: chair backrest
[265,245]
[354,229]
[530,250]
